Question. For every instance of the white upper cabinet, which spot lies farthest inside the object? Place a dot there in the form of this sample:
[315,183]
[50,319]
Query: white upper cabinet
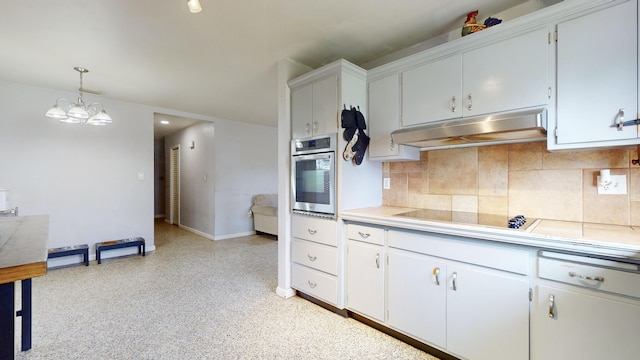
[314,108]
[597,78]
[507,75]
[432,91]
[383,119]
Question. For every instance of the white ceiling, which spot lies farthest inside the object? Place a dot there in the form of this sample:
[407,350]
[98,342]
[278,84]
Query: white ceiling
[220,62]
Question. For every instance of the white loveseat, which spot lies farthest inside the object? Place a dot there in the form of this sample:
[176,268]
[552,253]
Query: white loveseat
[265,213]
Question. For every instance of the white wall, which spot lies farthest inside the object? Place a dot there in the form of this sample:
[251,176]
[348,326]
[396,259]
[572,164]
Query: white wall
[239,161]
[84,177]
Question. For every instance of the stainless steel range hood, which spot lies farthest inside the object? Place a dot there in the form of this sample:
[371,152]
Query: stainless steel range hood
[503,128]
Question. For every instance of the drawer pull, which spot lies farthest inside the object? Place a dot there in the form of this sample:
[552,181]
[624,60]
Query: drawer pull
[378,260]
[454,277]
[312,258]
[312,284]
[364,235]
[436,272]
[312,232]
[552,306]
[583,277]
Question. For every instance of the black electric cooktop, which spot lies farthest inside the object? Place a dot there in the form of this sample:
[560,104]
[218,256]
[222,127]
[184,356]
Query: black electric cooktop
[513,222]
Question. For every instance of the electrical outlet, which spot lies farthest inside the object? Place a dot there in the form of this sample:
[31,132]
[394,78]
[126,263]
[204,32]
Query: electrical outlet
[386,183]
[618,186]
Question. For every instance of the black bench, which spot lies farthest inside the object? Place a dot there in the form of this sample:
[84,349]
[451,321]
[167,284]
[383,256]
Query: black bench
[119,244]
[70,250]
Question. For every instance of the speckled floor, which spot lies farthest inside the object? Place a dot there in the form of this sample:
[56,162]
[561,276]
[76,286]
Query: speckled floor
[192,298]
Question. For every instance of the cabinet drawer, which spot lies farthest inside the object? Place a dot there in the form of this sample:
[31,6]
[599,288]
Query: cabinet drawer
[590,276]
[317,256]
[368,234]
[322,231]
[455,248]
[315,283]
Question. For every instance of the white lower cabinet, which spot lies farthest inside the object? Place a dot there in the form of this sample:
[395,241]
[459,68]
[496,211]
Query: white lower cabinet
[365,279]
[365,271]
[417,299]
[467,310]
[316,268]
[585,309]
[572,325]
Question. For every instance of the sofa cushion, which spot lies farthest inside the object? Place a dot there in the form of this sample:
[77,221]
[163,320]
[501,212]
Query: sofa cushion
[264,210]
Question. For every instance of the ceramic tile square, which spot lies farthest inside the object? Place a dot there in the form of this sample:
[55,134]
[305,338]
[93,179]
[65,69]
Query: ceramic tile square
[465,203]
[634,154]
[405,166]
[453,171]
[592,159]
[418,183]
[398,191]
[634,184]
[493,170]
[635,213]
[497,205]
[548,194]
[603,209]
[436,202]
[526,156]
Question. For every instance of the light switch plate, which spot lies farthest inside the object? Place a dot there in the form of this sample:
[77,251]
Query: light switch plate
[140,176]
[618,186]
[386,183]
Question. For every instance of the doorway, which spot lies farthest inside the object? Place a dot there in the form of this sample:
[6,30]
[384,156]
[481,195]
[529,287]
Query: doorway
[174,186]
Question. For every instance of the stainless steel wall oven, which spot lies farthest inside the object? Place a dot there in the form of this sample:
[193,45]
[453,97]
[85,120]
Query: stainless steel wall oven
[313,176]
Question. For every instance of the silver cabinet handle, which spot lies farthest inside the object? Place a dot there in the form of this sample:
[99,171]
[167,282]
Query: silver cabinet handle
[552,306]
[621,122]
[378,260]
[436,272]
[584,277]
[392,145]
[364,235]
[469,102]
[307,128]
[312,258]
[453,104]
[315,126]
[311,284]
[454,277]
[312,232]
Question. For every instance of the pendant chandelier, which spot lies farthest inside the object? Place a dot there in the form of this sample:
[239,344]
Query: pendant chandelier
[79,113]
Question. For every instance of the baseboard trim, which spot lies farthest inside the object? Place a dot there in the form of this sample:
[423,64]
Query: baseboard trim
[229,236]
[197,232]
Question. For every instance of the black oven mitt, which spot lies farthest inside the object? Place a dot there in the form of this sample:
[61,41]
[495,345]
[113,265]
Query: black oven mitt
[360,147]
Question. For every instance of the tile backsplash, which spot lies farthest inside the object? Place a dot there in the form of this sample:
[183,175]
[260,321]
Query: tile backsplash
[518,179]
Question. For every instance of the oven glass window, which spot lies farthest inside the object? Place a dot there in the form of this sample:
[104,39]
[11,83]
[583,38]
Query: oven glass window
[313,181]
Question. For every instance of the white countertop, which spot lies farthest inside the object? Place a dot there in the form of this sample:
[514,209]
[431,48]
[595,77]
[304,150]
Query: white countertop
[609,240]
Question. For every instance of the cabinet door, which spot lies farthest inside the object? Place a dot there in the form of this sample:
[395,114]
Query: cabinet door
[384,98]
[583,327]
[508,75]
[325,106]
[365,279]
[417,296]
[301,112]
[598,75]
[487,313]
[431,92]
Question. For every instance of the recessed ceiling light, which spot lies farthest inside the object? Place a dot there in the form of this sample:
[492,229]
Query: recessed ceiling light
[164,122]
